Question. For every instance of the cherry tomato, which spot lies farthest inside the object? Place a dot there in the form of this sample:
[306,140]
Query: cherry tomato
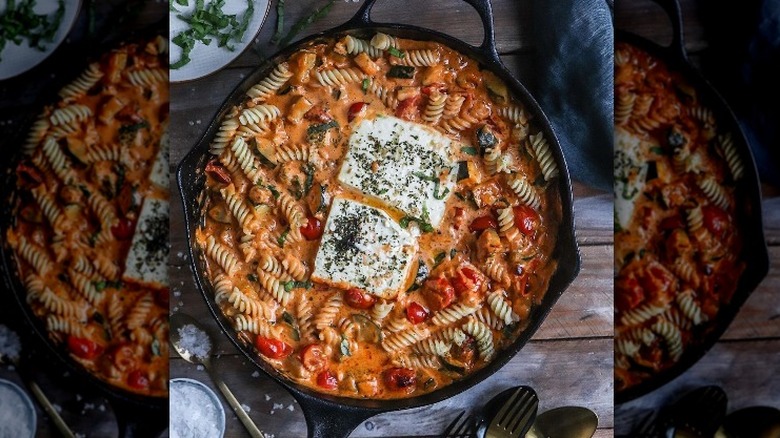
[359,298]
[356,109]
[482,223]
[138,380]
[466,280]
[327,380]
[123,230]
[218,172]
[526,219]
[628,293]
[313,357]
[400,379]
[272,348]
[716,220]
[83,348]
[407,108]
[29,174]
[313,229]
[416,313]
[439,293]
[671,223]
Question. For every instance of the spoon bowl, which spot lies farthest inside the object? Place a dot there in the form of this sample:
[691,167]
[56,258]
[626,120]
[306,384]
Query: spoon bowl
[180,321]
[754,421]
[564,422]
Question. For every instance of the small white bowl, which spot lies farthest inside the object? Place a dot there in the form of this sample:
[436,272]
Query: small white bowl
[23,412]
[216,402]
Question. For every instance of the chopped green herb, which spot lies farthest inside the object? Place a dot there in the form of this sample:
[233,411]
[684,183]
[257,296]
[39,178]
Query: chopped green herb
[283,237]
[540,181]
[19,21]
[428,383]
[424,225]
[274,191]
[365,84]
[290,321]
[469,150]
[657,150]
[292,284]
[321,127]
[383,191]
[317,14]
[508,330]
[99,285]
[395,52]
[132,129]
[210,21]
[155,347]
[447,366]
[279,22]
[453,253]
[439,258]
[252,277]
[401,72]
[308,169]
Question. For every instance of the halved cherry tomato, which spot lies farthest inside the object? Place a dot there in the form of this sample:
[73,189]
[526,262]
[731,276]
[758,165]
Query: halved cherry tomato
[123,230]
[83,348]
[526,219]
[138,380]
[218,172]
[359,298]
[416,313]
[671,223]
[400,379]
[407,107]
[313,229]
[272,348]
[356,109]
[716,220]
[439,293]
[313,357]
[327,380]
[482,223]
[466,280]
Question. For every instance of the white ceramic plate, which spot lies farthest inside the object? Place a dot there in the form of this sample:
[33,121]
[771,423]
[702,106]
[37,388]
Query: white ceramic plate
[18,59]
[206,59]
[16,404]
[182,382]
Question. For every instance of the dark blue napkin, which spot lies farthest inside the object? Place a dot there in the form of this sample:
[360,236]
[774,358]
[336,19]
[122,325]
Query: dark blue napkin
[575,44]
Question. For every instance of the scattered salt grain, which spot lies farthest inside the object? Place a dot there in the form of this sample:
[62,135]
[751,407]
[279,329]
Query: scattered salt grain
[278,406]
[14,414]
[267,397]
[10,346]
[194,340]
[193,413]
[291,408]
[246,408]
[200,368]
[256,374]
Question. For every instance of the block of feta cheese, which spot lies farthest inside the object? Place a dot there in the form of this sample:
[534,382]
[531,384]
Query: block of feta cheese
[147,260]
[404,165]
[363,247]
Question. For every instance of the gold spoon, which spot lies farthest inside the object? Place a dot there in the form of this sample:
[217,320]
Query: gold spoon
[564,422]
[180,320]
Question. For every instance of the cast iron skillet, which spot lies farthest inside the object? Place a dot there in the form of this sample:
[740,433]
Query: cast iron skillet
[137,415]
[332,416]
[754,252]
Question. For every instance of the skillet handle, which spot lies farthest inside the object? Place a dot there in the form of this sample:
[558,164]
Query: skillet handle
[673,11]
[326,420]
[483,7]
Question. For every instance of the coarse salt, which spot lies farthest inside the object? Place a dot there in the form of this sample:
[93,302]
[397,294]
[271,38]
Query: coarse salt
[193,413]
[10,346]
[194,340]
[14,414]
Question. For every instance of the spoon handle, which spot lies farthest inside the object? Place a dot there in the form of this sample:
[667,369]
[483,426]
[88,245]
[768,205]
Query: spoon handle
[49,409]
[233,402]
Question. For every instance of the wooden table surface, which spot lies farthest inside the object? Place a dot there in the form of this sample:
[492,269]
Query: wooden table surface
[568,361]
[746,361]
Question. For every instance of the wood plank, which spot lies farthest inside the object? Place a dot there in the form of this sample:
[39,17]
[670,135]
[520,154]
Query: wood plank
[747,371]
[553,368]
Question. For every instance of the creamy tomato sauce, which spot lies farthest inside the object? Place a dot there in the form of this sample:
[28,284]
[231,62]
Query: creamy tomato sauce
[84,176]
[473,279]
[677,240]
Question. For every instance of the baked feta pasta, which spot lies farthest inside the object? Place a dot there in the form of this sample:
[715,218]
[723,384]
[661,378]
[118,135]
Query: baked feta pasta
[677,240]
[90,236]
[380,216]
